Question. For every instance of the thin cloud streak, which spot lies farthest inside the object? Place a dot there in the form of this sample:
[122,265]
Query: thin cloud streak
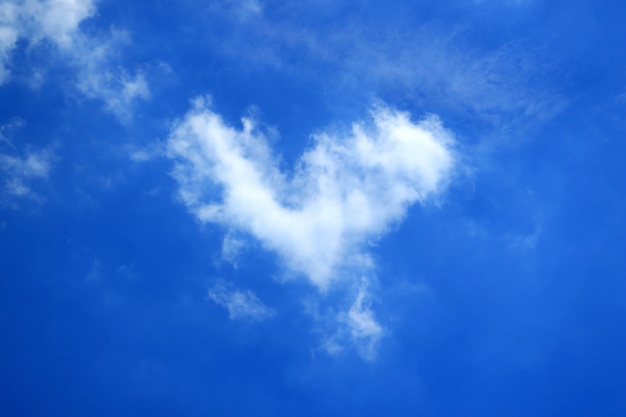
[241,305]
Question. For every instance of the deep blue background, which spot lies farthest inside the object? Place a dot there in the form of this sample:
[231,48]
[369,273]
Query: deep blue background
[103,284]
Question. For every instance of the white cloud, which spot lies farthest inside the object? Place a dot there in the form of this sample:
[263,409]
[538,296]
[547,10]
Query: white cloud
[357,327]
[345,191]
[97,79]
[241,305]
[364,329]
[57,20]
[34,21]
[19,169]
[40,23]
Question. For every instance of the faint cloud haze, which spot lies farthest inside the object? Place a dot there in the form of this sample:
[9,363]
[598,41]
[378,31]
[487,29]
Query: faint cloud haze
[241,305]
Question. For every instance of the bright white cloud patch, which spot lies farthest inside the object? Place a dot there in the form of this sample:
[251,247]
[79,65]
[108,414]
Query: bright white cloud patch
[344,192]
[506,87]
[241,305]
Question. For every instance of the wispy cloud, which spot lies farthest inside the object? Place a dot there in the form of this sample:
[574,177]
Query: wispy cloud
[19,171]
[503,86]
[241,304]
[232,247]
[20,168]
[40,24]
[346,191]
[36,21]
[357,328]
[364,330]
[140,154]
[99,78]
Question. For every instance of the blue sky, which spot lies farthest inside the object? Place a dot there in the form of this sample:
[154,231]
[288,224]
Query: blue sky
[316,208]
